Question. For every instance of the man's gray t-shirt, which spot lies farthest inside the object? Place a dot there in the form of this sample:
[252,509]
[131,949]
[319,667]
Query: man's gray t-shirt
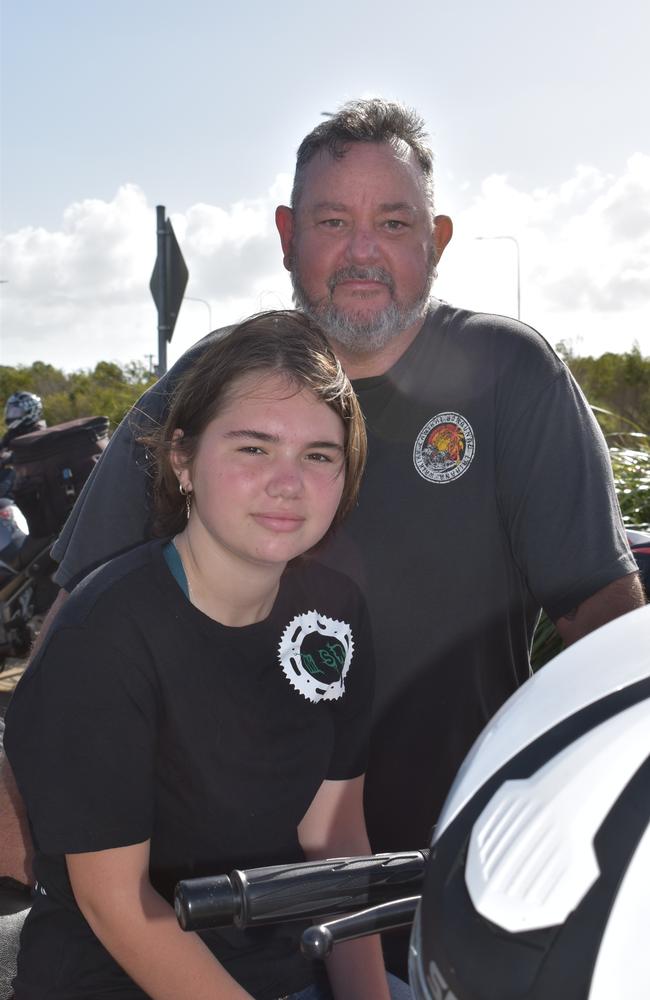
[488,494]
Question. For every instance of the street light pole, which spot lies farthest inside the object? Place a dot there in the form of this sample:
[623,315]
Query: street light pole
[516,243]
[192,298]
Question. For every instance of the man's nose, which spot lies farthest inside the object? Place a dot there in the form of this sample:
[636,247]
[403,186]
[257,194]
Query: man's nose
[362,246]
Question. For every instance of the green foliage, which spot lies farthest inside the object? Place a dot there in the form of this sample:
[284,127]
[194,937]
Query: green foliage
[632,479]
[617,384]
[39,378]
[108,390]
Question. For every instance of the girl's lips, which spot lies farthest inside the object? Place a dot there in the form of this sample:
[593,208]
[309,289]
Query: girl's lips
[279,522]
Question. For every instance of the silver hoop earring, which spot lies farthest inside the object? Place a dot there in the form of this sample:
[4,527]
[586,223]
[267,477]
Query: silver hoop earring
[188,499]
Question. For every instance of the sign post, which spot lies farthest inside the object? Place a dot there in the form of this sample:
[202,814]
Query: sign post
[168,284]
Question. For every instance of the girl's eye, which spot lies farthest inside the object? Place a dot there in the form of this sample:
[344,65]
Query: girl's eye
[318,456]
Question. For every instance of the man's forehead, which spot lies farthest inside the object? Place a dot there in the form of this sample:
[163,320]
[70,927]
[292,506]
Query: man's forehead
[389,148]
[394,159]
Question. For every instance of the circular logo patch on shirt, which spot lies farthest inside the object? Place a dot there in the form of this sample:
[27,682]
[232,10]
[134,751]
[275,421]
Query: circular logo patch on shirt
[444,448]
[315,652]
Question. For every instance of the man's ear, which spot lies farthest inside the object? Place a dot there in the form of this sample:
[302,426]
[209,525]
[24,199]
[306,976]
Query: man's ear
[284,221]
[443,232]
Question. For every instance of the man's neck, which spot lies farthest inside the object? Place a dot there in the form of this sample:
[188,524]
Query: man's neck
[365,364]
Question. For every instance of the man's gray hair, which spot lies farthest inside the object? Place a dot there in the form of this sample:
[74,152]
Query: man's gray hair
[372,120]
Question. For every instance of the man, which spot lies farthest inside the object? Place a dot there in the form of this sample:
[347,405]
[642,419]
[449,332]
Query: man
[488,493]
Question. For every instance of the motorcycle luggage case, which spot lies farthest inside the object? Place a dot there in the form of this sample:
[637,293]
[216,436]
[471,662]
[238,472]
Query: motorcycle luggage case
[51,467]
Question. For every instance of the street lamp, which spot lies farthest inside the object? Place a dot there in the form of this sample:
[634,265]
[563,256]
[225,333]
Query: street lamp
[192,298]
[516,243]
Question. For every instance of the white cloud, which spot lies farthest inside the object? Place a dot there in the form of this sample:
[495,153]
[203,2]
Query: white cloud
[585,256]
[81,294]
[100,252]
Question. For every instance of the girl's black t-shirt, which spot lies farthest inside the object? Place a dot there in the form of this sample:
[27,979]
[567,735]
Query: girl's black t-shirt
[141,718]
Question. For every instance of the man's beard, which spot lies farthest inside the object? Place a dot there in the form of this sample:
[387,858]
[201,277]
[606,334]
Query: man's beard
[355,330]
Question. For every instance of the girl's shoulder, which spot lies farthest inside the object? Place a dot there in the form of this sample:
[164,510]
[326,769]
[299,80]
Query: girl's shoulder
[116,584]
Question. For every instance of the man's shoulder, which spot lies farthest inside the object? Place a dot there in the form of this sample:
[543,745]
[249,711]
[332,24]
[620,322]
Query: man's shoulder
[501,342]
[475,323]
[161,389]
[197,350]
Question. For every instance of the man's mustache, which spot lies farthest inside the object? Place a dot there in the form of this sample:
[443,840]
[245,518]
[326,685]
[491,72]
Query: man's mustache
[356,273]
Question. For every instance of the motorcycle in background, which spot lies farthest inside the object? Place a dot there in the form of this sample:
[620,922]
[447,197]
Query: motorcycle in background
[43,473]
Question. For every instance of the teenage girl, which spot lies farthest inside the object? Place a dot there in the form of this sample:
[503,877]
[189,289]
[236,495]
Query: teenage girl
[203,700]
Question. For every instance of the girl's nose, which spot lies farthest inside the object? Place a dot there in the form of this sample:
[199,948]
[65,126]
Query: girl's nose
[285,481]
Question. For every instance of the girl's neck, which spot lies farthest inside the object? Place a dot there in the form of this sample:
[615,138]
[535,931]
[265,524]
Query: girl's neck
[224,587]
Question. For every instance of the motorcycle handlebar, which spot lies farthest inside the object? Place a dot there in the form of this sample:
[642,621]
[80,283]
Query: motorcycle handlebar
[318,941]
[300,891]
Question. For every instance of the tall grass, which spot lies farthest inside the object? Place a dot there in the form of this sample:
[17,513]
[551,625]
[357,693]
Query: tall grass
[632,480]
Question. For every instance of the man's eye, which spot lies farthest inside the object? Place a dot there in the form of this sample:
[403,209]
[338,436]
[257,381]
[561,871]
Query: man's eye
[251,449]
[318,456]
[332,223]
[395,224]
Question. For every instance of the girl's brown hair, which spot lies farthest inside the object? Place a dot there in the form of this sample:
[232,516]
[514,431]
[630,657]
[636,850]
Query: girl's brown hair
[279,342]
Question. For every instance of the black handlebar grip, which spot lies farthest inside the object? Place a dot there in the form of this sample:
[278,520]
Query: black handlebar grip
[205,902]
[309,889]
[314,888]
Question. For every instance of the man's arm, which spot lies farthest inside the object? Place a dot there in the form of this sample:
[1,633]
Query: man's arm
[614,600]
[16,849]
[558,499]
[334,827]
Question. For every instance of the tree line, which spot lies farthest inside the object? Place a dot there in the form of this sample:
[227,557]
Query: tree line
[616,385]
[619,385]
[108,390]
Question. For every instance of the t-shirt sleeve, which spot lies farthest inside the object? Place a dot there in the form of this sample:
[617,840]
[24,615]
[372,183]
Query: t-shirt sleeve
[352,716]
[556,493]
[80,737]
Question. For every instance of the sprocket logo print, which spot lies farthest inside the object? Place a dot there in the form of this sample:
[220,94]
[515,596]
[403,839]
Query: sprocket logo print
[444,448]
[315,652]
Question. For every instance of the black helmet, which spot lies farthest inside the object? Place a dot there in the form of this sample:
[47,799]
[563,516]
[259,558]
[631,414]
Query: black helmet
[538,885]
[23,412]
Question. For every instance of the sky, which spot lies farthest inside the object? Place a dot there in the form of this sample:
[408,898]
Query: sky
[537,115]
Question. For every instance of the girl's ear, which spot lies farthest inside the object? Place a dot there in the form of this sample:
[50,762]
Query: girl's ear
[177,460]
